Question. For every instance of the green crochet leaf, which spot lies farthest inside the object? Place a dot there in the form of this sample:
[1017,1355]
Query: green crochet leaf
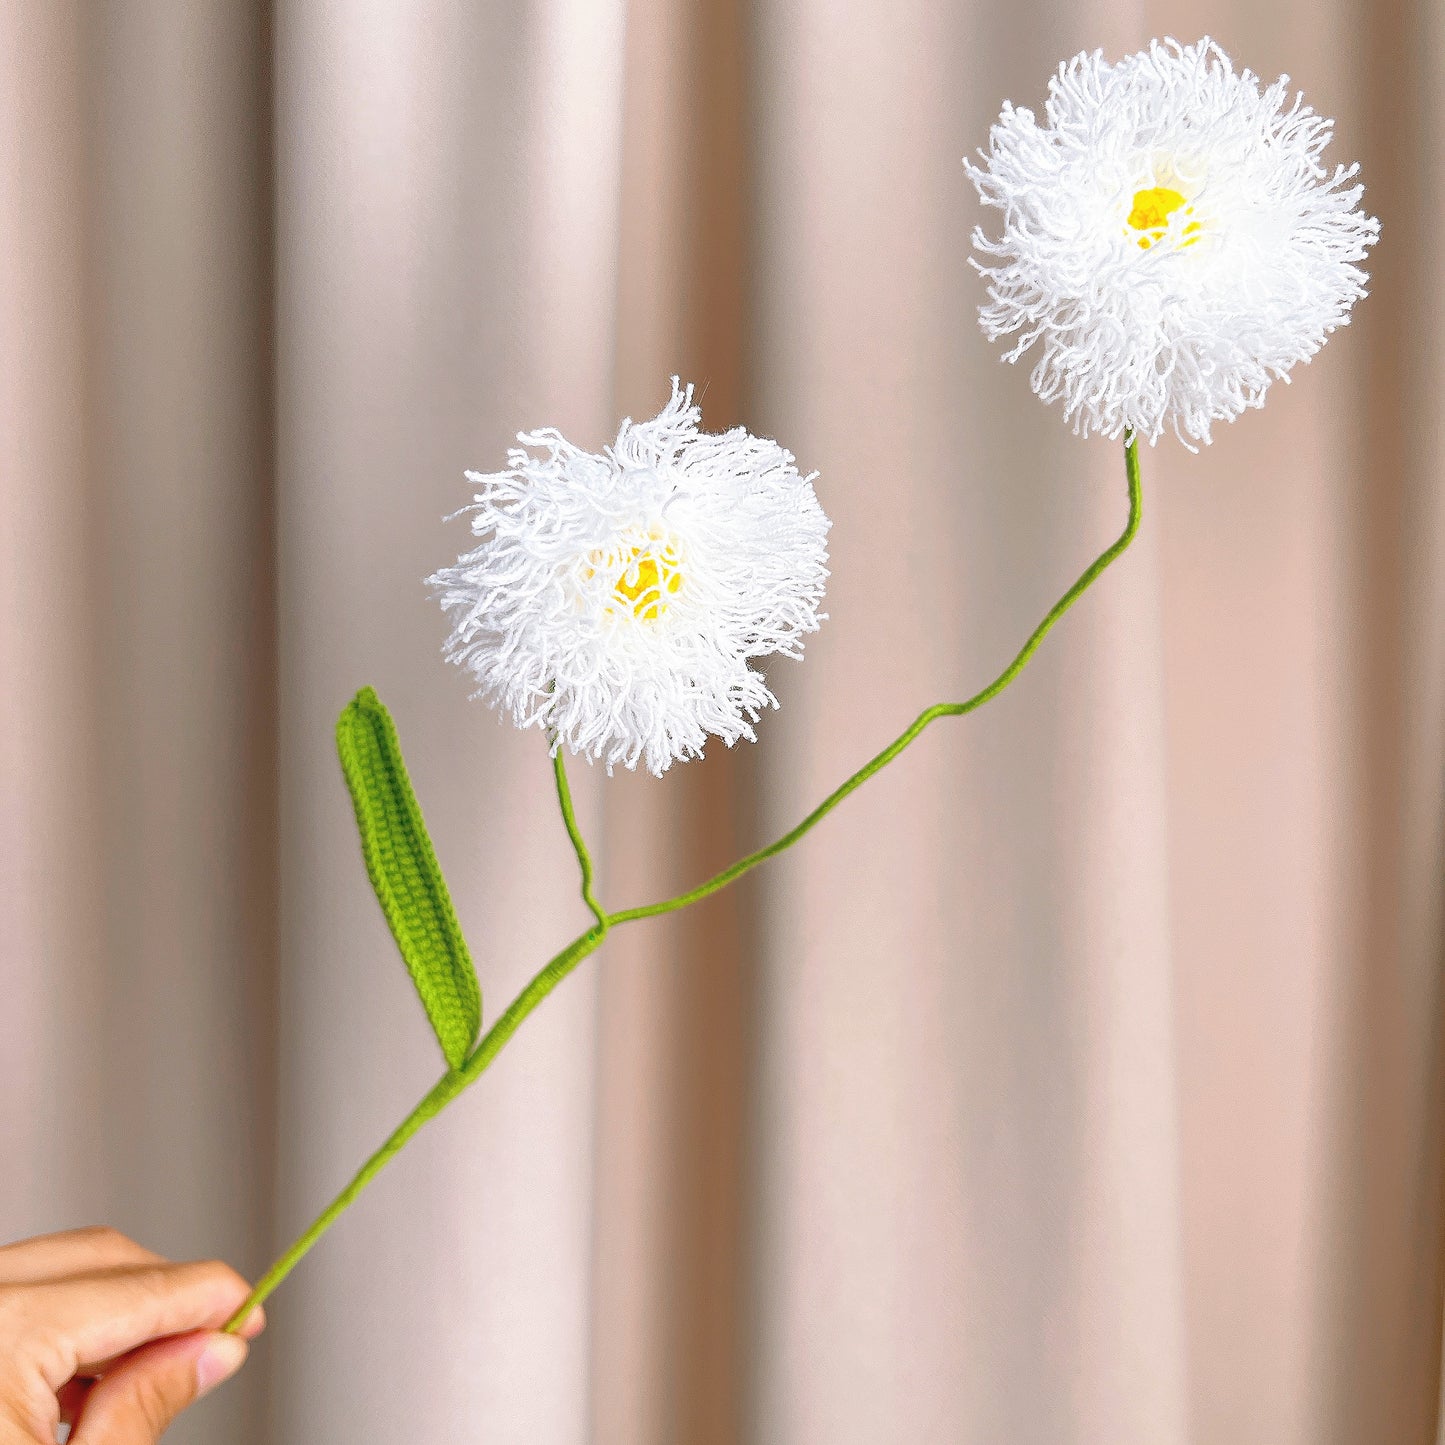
[404,872]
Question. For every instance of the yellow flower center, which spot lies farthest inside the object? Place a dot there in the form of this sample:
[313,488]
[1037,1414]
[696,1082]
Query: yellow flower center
[650,573]
[1152,209]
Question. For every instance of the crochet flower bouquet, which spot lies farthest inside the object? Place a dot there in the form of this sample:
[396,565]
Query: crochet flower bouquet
[1169,243]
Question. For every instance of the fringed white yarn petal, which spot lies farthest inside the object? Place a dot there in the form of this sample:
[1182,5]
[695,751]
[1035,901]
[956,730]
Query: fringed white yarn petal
[1144,320]
[615,600]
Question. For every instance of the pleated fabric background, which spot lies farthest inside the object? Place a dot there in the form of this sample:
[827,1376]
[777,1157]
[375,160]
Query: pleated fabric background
[1078,1083]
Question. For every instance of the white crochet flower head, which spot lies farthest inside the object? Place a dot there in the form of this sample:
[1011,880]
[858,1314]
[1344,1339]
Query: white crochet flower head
[1171,241]
[616,599]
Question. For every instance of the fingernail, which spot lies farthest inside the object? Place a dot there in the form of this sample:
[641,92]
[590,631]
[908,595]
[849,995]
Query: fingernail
[222,1357]
[255,1323]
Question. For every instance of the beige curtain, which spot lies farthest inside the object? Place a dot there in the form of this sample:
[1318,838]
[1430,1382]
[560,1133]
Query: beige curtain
[1078,1083]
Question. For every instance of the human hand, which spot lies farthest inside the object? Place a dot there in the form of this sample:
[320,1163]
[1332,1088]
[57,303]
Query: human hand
[101,1334]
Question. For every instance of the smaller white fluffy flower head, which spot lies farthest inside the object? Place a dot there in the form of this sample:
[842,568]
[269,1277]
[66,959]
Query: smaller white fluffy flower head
[616,599]
[1171,240]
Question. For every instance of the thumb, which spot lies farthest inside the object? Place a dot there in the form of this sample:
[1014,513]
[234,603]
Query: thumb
[136,1401]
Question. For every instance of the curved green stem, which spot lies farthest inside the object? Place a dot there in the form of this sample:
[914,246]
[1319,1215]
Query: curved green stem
[450,1085]
[579,844]
[441,1094]
[938,710]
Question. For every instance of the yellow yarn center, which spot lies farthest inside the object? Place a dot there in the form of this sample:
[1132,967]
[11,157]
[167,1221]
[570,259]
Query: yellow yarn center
[1152,209]
[650,575]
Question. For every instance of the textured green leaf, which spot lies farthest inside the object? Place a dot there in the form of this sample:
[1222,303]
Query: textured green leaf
[404,872]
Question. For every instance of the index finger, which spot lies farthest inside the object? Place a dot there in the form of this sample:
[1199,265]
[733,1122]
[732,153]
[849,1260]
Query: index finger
[72,1251]
[97,1316]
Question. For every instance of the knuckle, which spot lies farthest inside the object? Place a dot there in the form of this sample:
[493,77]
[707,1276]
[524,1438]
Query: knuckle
[16,1324]
[31,1356]
[27,1404]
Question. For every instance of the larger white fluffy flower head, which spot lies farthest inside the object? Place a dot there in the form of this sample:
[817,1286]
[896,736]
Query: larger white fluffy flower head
[616,599]
[1171,240]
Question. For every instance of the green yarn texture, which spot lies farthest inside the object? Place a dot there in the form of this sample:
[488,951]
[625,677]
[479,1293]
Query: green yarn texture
[404,872]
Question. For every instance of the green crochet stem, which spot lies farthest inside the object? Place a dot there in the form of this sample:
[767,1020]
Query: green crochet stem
[450,1085]
[442,1093]
[579,845]
[938,710]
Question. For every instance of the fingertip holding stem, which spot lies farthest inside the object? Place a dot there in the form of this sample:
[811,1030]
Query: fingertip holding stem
[249,1320]
[222,1356]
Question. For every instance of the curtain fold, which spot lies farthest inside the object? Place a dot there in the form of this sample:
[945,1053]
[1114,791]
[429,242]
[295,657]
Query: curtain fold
[140,780]
[1077,1081]
[446,244]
